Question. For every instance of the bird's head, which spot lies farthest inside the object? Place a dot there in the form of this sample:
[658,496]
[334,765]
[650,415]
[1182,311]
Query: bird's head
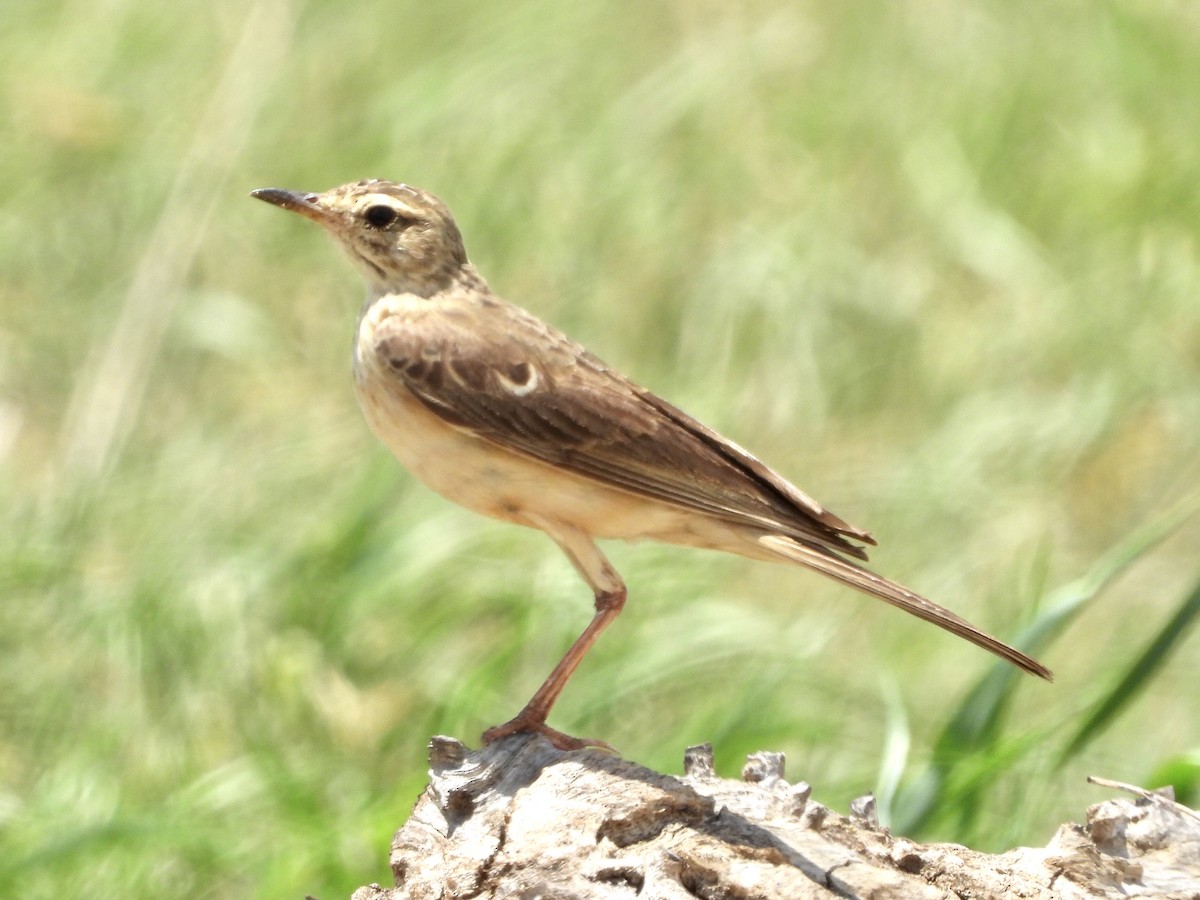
[402,239]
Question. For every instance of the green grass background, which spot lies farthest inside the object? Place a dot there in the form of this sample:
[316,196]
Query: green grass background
[936,262]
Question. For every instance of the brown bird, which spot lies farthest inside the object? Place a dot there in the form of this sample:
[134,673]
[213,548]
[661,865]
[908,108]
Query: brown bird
[503,414]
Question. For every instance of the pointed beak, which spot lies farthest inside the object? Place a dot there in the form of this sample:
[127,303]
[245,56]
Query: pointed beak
[307,205]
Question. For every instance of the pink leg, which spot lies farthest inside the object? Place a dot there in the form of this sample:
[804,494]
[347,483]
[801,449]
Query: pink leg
[610,599]
[533,716]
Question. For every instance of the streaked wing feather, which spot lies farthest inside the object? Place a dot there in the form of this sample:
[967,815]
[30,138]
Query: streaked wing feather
[516,382]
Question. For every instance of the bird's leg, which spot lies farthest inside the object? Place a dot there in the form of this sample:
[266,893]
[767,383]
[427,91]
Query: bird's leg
[610,599]
[533,716]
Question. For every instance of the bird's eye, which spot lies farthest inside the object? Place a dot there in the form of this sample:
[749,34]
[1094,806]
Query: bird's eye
[380,216]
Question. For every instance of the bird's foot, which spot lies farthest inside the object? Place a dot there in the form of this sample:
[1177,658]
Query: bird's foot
[526,723]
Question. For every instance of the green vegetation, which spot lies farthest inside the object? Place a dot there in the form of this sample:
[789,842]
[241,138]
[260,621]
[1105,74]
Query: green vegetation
[938,263]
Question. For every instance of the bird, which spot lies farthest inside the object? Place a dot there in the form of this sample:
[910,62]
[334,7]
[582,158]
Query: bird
[502,413]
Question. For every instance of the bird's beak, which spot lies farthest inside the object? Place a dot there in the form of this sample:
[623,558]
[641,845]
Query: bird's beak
[307,205]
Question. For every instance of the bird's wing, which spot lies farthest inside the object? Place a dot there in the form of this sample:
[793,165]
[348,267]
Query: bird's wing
[507,377]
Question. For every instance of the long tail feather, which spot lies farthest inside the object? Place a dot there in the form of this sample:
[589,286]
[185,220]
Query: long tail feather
[868,582]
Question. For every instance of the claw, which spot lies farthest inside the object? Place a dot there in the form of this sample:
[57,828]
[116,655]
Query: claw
[526,724]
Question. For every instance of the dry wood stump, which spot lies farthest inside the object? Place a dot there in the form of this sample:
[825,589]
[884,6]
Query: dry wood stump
[521,819]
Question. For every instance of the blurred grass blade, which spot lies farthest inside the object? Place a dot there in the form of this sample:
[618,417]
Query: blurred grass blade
[1069,599]
[979,714]
[1183,774]
[897,741]
[1137,677]
[973,731]
[112,386]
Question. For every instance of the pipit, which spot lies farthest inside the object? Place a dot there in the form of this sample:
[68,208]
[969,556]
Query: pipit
[505,415]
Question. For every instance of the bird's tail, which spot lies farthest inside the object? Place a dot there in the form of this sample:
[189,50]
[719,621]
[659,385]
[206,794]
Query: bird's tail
[868,582]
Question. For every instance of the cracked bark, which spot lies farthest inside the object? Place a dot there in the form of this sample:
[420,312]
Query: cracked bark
[521,819]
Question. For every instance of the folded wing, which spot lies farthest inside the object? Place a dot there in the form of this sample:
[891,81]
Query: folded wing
[510,379]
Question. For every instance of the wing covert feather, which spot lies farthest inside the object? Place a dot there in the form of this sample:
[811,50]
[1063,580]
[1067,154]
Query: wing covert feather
[518,383]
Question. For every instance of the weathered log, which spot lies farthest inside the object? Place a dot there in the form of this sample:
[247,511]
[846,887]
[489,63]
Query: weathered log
[521,819]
